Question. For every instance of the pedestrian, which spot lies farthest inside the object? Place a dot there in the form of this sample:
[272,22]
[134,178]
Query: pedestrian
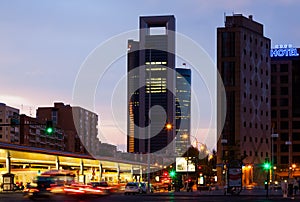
[284,187]
[295,186]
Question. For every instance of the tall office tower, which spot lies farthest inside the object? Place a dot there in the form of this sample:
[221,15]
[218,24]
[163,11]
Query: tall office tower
[8,115]
[183,110]
[151,83]
[243,62]
[79,126]
[285,103]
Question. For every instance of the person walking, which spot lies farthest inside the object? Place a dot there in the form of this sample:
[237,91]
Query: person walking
[295,186]
[284,187]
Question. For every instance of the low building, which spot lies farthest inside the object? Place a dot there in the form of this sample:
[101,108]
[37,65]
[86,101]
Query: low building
[9,133]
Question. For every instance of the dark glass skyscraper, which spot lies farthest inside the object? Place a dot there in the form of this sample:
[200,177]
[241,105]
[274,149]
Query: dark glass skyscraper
[151,83]
[183,110]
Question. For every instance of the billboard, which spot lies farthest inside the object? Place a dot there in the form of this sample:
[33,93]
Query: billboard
[185,164]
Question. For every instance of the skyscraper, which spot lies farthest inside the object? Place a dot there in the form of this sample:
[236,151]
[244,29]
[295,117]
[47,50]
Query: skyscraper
[151,83]
[244,65]
[183,110]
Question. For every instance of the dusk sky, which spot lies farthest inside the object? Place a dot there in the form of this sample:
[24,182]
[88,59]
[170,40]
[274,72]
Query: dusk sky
[44,43]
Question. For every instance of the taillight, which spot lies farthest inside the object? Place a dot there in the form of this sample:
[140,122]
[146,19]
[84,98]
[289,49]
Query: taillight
[34,190]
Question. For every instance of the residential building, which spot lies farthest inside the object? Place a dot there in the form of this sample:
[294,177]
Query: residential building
[9,133]
[33,134]
[243,62]
[79,126]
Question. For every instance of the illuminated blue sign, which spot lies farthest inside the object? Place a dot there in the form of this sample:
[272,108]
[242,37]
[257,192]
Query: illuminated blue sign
[284,51]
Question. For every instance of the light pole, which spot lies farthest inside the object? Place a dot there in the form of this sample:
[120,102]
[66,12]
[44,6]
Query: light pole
[290,160]
[149,125]
[187,137]
[273,135]
[223,142]
[293,167]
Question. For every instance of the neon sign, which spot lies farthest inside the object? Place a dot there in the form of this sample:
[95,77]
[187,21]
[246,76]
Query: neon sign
[284,51]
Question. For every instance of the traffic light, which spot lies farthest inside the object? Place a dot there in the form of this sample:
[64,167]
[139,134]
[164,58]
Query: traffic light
[267,165]
[172,173]
[165,174]
[49,128]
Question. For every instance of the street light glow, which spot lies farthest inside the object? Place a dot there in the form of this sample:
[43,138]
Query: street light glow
[169,126]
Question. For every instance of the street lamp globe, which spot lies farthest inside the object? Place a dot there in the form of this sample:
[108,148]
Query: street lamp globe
[169,126]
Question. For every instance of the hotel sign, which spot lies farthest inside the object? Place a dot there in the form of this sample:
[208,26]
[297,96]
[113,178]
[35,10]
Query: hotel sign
[284,51]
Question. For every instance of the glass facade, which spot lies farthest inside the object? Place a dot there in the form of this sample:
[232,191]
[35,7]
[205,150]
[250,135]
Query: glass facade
[183,110]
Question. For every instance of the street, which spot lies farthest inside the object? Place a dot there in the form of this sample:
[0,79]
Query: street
[180,196]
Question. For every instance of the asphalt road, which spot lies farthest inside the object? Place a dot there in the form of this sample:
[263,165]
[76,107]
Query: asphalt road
[180,197]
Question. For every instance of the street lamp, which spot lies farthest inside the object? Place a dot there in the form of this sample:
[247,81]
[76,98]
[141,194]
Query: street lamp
[168,126]
[273,135]
[149,125]
[293,166]
[223,142]
[289,171]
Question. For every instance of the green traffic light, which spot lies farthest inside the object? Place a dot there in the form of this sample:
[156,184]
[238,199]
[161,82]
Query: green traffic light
[172,173]
[267,166]
[49,130]
[49,127]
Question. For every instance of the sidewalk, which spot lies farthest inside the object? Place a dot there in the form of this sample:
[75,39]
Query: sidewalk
[255,192]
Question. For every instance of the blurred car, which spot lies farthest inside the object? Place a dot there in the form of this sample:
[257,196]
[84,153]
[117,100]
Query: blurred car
[132,188]
[249,187]
[103,186]
[276,185]
[41,187]
[82,189]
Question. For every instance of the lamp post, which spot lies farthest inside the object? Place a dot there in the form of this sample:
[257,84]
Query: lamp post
[290,160]
[187,138]
[273,135]
[293,167]
[149,126]
[223,142]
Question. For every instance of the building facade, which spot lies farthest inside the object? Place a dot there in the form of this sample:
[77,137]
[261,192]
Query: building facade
[33,134]
[79,126]
[151,82]
[8,115]
[285,102]
[244,64]
[183,110]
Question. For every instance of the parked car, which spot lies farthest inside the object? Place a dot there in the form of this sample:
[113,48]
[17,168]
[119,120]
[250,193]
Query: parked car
[132,188]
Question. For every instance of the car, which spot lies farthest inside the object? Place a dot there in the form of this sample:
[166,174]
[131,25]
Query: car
[41,187]
[103,185]
[249,187]
[82,189]
[132,188]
